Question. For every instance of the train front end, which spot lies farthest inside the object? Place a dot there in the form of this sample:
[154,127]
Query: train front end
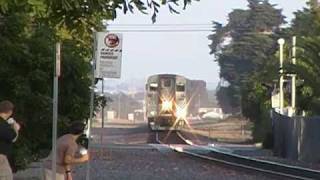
[166,109]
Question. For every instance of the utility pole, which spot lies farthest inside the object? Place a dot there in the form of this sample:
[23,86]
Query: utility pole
[89,123]
[57,63]
[281,99]
[293,81]
[91,117]
[103,104]
[102,109]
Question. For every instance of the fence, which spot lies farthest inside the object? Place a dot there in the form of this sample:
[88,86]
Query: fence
[296,138]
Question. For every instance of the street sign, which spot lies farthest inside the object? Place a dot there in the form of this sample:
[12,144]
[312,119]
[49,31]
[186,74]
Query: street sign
[108,54]
[275,100]
[58,60]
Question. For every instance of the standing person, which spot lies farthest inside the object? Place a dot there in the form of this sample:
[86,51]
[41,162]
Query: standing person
[67,149]
[9,130]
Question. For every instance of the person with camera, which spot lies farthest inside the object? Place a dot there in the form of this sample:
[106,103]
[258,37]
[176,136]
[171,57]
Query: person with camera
[9,131]
[68,154]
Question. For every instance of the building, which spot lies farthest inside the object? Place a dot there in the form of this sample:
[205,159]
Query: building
[198,95]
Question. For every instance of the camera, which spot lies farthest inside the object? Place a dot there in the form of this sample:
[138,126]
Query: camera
[83,141]
[11,121]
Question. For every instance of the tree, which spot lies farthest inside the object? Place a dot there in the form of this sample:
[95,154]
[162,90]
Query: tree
[308,65]
[244,49]
[251,42]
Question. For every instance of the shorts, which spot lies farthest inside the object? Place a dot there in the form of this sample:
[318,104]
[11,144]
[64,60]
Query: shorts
[5,169]
[48,175]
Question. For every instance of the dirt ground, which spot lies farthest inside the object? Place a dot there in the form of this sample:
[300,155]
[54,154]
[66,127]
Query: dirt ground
[232,129]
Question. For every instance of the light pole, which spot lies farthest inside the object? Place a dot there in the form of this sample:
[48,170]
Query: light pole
[281,99]
[293,83]
[57,62]
[103,104]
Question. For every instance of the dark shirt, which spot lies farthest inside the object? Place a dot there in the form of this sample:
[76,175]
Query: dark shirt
[7,135]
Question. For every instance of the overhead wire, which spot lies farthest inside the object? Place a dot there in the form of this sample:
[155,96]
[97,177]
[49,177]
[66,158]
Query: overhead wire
[184,24]
[160,27]
[161,30]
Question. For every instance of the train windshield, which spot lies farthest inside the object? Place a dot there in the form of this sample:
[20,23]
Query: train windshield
[166,83]
[153,86]
[180,87]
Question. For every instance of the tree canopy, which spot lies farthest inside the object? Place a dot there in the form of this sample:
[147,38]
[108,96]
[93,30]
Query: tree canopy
[243,46]
[245,50]
[308,65]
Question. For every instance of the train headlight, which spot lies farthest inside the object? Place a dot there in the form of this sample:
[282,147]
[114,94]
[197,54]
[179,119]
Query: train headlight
[152,113]
[166,105]
[181,113]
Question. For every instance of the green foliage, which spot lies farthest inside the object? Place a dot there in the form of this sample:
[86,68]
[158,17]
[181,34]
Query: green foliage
[247,60]
[307,67]
[25,66]
[251,44]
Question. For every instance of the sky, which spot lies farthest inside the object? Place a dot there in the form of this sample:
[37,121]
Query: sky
[184,53]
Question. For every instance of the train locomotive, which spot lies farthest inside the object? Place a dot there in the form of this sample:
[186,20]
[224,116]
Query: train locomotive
[166,101]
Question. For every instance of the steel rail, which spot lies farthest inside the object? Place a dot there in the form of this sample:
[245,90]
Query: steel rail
[268,167]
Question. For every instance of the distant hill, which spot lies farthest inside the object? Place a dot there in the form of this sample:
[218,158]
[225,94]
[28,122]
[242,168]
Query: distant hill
[114,86]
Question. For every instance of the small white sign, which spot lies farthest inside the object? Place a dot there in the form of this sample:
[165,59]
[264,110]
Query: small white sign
[58,60]
[108,54]
[275,100]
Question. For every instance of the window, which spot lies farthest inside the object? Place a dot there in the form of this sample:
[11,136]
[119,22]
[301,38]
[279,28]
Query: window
[153,86]
[166,83]
[180,87]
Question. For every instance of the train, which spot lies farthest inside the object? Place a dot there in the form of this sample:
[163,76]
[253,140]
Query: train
[166,101]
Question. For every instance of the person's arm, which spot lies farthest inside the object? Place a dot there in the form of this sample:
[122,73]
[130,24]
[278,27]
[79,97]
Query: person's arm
[69,157]
[16,128]
[7,134]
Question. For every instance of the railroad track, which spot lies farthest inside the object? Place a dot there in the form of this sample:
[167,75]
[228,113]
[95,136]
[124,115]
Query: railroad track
[244,162]
[169,137]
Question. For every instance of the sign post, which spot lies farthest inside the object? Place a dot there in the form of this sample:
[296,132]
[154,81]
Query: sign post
[57,63]
[89,123]
[106,64]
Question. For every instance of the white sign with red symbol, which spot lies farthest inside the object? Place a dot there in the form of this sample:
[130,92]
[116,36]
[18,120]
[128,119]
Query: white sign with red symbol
[108,53]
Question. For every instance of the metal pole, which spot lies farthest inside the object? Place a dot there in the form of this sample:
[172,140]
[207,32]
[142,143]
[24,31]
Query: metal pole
[91,107]
[293,85]
[102,115]
[102,110]
[281,100]
[90,118]
[55,109]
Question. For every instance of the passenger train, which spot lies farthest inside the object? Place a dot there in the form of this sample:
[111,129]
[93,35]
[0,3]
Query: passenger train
[166,101]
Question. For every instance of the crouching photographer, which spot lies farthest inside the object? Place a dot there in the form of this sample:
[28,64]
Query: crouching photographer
[69,153]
